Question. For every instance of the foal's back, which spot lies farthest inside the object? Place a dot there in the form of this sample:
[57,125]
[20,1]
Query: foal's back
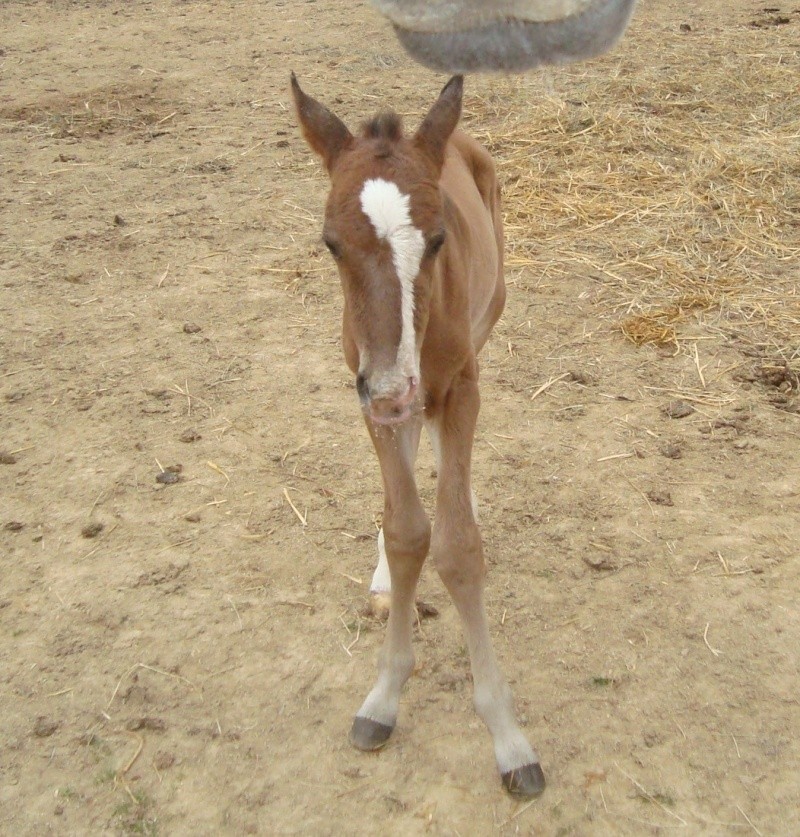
[469,180]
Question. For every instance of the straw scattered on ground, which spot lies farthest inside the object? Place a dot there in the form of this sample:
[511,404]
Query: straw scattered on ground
[674,182]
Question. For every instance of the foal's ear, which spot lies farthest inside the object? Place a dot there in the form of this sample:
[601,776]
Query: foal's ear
[324,132]
[441,121]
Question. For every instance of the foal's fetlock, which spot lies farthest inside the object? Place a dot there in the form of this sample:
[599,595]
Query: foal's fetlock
[492,702]
[403,667]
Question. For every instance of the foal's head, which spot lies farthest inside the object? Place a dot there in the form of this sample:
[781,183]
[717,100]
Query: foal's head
[384,226]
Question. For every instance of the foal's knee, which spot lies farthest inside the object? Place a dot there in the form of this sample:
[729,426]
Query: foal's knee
[407,541]
[458,557]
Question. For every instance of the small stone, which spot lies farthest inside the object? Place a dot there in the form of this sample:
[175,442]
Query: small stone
[599,562]
[7,458]
[92,530]
[651,738]
[671,450]
[660,496]
[190,435]
[192,517]
[580,377]
[170,476]
[163,760]
[119,221]
[14,526]
[425,610]
[677,409]
[154,724]
[44,727]
[686,27]
[191,328]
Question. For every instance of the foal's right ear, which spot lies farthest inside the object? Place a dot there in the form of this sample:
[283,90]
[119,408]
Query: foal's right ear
[324,132]
[435,130]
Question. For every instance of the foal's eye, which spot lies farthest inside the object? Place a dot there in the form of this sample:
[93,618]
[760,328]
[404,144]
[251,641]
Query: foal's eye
[333,247]
[434,244]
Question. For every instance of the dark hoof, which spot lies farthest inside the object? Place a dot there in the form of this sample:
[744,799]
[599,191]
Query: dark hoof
[366,734]
[526,782]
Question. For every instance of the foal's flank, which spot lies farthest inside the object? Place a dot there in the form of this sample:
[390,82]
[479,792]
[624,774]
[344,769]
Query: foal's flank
[413,224]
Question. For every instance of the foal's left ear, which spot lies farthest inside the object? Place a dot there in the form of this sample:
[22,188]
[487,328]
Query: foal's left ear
[441,121]
[327,135]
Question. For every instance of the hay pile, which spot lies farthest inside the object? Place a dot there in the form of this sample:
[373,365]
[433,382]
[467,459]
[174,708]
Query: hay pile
[670,172]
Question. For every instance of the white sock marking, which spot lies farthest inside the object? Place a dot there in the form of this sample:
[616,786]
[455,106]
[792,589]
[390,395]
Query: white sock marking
[381,579]
[388,211]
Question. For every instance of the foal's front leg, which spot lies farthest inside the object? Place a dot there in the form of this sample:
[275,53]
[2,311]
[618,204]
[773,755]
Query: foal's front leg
[406,535]
[457,550]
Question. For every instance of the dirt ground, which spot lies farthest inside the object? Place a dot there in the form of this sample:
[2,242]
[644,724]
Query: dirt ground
[180,652]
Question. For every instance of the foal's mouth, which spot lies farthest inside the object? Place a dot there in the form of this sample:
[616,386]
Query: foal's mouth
[400,417]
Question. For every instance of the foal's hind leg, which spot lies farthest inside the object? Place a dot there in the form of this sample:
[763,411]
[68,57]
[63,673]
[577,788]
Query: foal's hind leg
[458,553]
[406,533]
[380,588]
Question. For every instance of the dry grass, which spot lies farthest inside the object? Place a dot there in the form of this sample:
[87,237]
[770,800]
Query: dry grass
[670,173]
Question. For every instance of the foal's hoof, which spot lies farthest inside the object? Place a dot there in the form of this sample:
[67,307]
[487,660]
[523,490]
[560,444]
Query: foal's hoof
[526,782]
[366,734]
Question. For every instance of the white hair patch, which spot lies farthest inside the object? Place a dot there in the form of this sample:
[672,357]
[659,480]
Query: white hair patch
[388,211]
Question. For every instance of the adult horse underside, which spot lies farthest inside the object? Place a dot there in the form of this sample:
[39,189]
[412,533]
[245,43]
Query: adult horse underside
[468,35]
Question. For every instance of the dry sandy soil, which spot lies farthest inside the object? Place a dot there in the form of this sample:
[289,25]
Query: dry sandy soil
[180,653]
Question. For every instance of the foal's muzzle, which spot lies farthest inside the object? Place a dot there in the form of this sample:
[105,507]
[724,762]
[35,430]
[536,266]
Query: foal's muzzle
[388,406]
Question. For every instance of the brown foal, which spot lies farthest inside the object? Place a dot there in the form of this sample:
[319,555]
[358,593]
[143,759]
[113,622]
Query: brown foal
[414,226]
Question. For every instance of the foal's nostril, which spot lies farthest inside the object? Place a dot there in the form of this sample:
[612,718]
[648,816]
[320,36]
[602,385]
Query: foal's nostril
[362,388]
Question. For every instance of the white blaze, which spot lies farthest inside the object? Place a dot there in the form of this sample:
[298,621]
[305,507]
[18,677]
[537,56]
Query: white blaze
[388,211]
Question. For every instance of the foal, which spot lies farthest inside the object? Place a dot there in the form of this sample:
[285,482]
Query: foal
[414,226]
